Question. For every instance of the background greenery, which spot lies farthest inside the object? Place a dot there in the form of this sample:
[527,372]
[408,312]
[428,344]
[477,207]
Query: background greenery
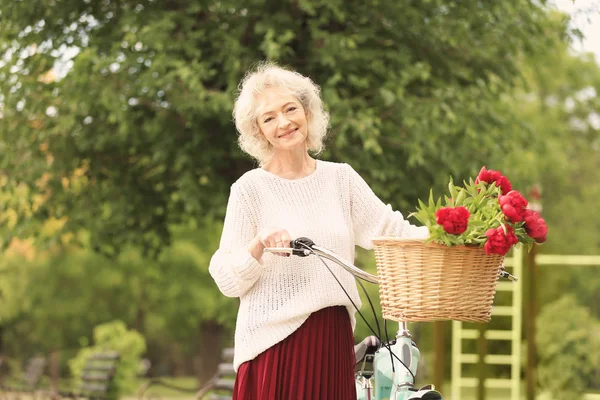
[118,148]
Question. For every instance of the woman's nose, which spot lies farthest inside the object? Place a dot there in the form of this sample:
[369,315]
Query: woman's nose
[283,121]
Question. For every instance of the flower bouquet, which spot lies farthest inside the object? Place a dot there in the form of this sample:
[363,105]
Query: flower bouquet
[486,212]
[453,273]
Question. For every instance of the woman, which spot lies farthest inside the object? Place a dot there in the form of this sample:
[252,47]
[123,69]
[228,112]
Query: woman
[294,331]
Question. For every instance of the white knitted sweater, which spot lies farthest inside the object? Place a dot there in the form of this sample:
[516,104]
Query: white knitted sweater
[336,209]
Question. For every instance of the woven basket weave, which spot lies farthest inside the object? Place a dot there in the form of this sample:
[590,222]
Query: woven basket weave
[431,282]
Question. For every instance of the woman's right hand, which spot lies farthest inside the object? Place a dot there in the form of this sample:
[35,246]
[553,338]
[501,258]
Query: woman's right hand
[269,237]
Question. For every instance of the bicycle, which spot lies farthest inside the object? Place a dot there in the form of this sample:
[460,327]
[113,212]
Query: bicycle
[384,370]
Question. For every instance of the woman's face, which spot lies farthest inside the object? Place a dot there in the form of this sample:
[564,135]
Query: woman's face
[283,120]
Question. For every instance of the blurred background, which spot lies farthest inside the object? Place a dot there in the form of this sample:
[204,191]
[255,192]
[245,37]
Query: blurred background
[117,152]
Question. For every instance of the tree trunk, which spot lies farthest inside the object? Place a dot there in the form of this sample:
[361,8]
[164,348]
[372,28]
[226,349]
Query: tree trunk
[54,372]
[208,356]
[1,353]
[440,352]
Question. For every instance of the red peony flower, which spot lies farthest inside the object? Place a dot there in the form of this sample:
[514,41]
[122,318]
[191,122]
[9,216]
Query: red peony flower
[500,242]
[505,185]
[535,226]
[470,215]
[513,205]
[487,175]
[454,220]
[491,176]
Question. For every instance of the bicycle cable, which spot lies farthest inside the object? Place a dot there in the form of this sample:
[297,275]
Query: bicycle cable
[386,345]
[387,338]
[371,305]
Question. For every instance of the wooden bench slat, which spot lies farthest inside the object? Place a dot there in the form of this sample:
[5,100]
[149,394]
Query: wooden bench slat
[94,388]
[226,369]
[30,379]
[101,368]
[227,354]
[219,397]
[110,355]
[96,376]
[224,384]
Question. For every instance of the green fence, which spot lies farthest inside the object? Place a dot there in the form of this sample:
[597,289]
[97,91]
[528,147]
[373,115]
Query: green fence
[461,334]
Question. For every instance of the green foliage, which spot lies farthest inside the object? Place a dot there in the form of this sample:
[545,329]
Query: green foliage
[137,136]
[13,281]
[481,200]
[115,126]
[559,100]
[563,156]
[168,299]
[185,295]
[568,343]
[44,303]
[114,336]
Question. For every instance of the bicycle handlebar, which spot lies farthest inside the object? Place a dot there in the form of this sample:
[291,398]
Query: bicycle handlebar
[303,247]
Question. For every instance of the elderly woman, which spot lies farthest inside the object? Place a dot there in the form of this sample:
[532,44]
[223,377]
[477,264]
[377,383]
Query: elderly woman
[294,331]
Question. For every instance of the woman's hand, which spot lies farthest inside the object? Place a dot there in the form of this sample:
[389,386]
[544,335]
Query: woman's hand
[269,237]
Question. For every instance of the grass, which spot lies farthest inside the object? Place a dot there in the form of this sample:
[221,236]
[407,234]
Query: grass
[166,393]
[504,394]
[155,391]
[190,382]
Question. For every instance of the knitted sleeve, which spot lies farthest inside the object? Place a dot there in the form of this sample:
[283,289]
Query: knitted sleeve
[372,218]
[232,266]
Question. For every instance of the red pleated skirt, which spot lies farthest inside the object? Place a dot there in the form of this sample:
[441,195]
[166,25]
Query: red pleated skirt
[314,363]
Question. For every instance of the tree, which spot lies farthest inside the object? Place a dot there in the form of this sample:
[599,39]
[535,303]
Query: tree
[134,132]
[569,349]
[51,300]
[560,104]
[116,115]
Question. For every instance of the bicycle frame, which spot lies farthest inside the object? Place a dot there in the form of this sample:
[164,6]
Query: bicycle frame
[380,383]
[398,385]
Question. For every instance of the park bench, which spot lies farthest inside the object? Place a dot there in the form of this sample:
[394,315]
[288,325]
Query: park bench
[219,387]
[97,377]
[29,381]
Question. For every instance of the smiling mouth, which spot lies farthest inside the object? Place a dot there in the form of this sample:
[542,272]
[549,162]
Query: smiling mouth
[287,133]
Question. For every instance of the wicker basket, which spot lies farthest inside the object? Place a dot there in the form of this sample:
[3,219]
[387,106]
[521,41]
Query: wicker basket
[430,282]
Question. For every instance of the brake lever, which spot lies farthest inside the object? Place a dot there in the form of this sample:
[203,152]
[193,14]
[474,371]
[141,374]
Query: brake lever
[300,247]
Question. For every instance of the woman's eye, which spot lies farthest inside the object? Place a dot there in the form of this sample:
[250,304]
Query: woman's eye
[292,109]
[267,120]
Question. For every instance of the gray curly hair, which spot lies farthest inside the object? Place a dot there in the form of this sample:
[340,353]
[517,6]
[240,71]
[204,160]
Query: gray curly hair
[269,75]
